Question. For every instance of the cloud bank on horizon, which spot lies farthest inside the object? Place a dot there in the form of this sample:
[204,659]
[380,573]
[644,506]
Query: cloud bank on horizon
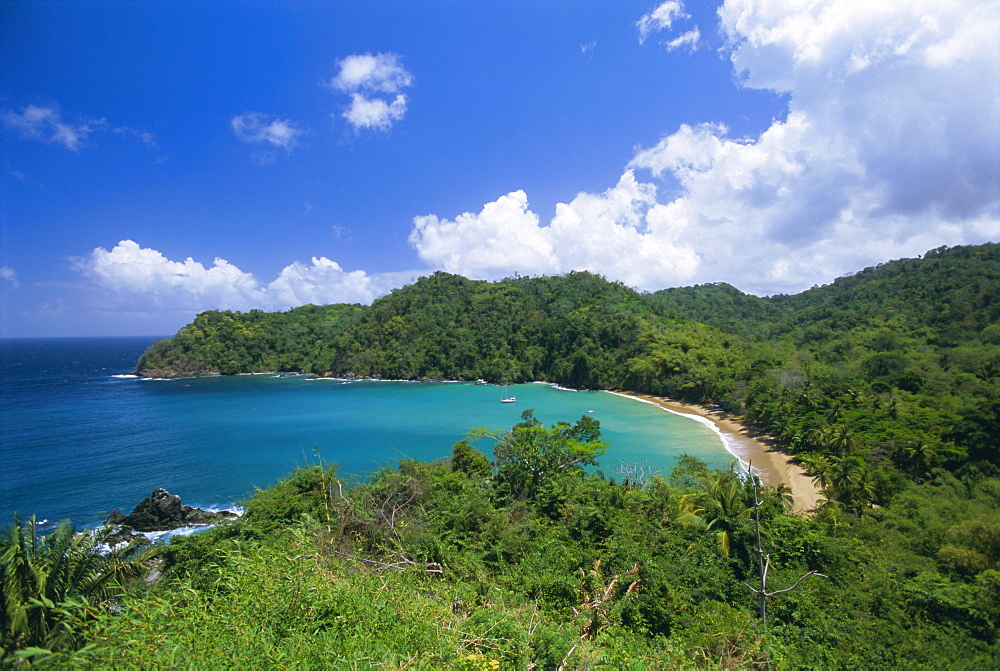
[143,279]
[887,147]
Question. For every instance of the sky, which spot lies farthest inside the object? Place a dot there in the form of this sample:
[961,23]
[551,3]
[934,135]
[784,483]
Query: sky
[159,159]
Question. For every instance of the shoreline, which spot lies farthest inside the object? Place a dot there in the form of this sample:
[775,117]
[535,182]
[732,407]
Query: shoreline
[744,443]
[749,446]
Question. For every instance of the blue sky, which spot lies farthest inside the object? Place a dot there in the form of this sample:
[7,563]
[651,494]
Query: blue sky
[163,158]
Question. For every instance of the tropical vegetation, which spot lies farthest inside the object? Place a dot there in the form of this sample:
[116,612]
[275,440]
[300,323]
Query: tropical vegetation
[522,551]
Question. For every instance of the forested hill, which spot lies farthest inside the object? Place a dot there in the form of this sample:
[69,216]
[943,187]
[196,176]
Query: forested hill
[577,329]
[951,290]
[902,354]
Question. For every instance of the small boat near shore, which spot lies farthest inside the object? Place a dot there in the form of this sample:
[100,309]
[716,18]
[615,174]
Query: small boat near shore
[506,398]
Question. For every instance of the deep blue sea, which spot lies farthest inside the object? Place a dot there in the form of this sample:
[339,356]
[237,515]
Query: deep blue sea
[79,436]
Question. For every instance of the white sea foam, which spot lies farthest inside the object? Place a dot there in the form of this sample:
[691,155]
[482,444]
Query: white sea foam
[362,379]
[126,376]
[158,536]
[556,386]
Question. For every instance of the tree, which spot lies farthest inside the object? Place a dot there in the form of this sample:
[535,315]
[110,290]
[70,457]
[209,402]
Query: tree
[530,455]
[818,466]
[764,562]
[50,585]
[467,459]
[843,441]
[722,501]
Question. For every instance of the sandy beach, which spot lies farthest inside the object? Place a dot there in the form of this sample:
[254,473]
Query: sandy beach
[773,465]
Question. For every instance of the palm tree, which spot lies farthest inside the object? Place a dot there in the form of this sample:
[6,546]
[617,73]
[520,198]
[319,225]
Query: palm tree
[843,440]
[852,482]
[49,584]
[863,493]
[836,410]
[818,466]
[858,396]
[817,437]
[688,511]
[843,476]
[784,494]
[720,503]
[807,399]
[922,455]
[892,405]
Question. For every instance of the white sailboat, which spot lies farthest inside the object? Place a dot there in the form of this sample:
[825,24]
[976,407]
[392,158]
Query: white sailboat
[506,398]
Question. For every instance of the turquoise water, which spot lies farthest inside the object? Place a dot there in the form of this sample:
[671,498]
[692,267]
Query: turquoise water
[78,438]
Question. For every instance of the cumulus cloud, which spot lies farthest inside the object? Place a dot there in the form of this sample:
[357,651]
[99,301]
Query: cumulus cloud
[47,125]
[9,276]
[258,128]
[614,233]
[504,237]
[887,149]
[661,18]
[142,279]
[374,83]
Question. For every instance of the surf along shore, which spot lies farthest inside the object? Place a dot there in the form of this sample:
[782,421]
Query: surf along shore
[749,445]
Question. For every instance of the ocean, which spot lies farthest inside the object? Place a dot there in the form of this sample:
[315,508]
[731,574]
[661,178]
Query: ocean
[80,435]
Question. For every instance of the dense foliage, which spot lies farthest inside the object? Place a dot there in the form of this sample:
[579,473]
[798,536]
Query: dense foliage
[53,587]
[883,383]
[535,562]
[578,329]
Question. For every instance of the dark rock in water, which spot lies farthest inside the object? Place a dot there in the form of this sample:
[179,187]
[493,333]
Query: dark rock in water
[163,511]
[116,517]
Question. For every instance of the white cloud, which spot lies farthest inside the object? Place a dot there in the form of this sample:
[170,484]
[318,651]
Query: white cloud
[9,276]
[321,282]
[144,136]
[374,112]
[691,39]
[888,149]
[661,18]
[135,278]
[503,238]
[611,233]
[372,73]
[374,82]
[257,128]
[46,125]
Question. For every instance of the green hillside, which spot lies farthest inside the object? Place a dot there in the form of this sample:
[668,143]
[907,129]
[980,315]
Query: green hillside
[884,384]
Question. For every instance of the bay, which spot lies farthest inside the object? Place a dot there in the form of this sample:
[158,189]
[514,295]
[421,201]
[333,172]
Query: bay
[80,437]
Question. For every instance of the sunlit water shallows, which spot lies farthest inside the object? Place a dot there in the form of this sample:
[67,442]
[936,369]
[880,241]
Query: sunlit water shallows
[79,436]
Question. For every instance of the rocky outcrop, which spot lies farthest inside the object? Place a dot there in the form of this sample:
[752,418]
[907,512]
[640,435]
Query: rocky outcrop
[163,511]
